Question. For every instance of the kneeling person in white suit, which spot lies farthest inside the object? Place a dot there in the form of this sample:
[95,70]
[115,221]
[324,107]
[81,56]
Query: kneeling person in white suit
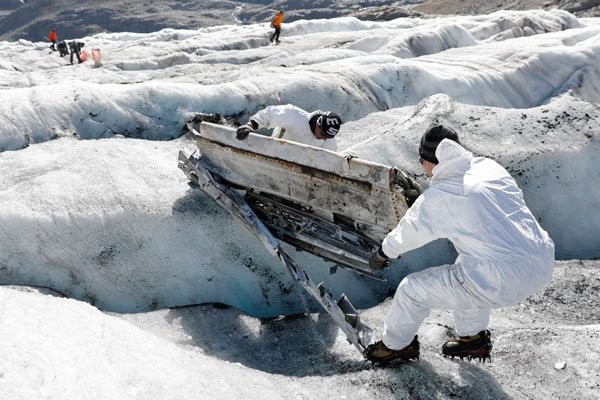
[503,253]
[317,129]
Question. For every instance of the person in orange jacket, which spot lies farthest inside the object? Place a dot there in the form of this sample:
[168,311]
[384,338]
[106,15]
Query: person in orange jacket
[53,37]
[276,23]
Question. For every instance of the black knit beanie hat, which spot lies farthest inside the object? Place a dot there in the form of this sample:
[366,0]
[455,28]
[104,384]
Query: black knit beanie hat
[432,138]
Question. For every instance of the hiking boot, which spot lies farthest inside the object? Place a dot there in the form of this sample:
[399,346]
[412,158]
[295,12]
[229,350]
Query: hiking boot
[476,346]
[378,352]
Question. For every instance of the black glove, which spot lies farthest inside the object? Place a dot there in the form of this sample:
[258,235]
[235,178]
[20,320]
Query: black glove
[379,260]
[243,131]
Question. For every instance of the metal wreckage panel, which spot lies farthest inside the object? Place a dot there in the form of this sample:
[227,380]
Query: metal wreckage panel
[371,195]
[334,206]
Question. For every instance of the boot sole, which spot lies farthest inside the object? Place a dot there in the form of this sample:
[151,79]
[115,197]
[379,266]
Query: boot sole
[483,353]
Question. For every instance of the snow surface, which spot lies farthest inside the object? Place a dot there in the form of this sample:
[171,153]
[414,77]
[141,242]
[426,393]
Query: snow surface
[94,208]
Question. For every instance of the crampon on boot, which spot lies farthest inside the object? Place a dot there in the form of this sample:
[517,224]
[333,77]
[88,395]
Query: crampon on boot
[476,346]
[378,352]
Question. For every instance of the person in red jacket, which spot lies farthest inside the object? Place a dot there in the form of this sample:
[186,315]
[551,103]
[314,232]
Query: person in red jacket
[53,37]
[276,23]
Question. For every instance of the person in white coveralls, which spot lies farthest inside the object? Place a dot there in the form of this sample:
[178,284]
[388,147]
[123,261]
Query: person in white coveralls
[317,129]
[503,253]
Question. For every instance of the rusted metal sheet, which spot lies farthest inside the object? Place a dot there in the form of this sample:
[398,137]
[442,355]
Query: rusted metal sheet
[323,181]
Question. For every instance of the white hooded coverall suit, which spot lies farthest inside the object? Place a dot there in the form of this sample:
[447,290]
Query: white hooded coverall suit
[294,122]
[503,253]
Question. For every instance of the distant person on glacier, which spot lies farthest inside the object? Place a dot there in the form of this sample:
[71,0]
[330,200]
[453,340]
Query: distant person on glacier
[503,253]
[276,23]
[53,38]
[76,49]
[63,50]
[317,129]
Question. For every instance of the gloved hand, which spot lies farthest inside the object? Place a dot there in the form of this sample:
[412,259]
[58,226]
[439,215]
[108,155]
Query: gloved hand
[243,131]
[379,260]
